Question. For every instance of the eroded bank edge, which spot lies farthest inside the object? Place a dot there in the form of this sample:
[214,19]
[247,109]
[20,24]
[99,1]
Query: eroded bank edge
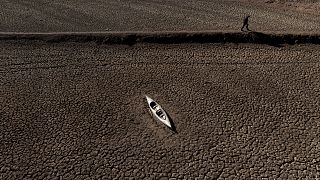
[131,38]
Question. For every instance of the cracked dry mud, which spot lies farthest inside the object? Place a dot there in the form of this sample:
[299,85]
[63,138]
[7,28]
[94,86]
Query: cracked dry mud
[78,111]
[154,15]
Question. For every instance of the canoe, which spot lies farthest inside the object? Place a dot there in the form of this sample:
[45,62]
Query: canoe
[157,112]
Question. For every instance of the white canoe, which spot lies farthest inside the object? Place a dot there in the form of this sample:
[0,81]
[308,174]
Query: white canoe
[158,112]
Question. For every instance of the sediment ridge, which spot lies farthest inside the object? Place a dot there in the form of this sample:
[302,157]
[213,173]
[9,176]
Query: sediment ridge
[174,37]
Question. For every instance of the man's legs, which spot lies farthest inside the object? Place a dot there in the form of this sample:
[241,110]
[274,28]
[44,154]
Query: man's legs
[243,27]
[247,26]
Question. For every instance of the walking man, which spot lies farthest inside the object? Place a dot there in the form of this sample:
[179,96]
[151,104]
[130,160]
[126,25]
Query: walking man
[246,23]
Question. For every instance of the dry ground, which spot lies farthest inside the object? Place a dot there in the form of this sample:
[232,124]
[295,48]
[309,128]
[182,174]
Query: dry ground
[153,15]
[78,110]
[300,6]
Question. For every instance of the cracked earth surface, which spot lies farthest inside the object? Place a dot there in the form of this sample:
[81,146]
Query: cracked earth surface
[242,111]
[155,15]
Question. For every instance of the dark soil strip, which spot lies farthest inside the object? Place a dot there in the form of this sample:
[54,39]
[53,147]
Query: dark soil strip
[131,38]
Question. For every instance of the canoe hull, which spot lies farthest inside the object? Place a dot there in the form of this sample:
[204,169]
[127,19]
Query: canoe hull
[158,112]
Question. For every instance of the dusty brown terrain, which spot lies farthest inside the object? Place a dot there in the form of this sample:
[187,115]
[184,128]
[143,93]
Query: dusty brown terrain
[151,15]
[78,110]
[300,6]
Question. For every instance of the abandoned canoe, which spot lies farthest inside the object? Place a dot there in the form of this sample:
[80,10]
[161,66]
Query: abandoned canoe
[158,112]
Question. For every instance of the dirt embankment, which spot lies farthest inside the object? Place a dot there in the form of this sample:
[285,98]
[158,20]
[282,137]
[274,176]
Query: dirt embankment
[131,38]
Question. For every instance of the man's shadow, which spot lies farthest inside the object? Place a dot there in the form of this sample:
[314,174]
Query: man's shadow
[262,38]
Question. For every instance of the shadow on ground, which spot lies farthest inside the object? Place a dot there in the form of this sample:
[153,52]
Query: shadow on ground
[173,126]
[268,39]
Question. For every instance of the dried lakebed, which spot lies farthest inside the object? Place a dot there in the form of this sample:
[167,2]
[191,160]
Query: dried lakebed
[78,111]
[152,15]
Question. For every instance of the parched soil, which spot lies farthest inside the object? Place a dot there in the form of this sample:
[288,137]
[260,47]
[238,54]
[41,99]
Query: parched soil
[300,6]
[154,15]
[241,111]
